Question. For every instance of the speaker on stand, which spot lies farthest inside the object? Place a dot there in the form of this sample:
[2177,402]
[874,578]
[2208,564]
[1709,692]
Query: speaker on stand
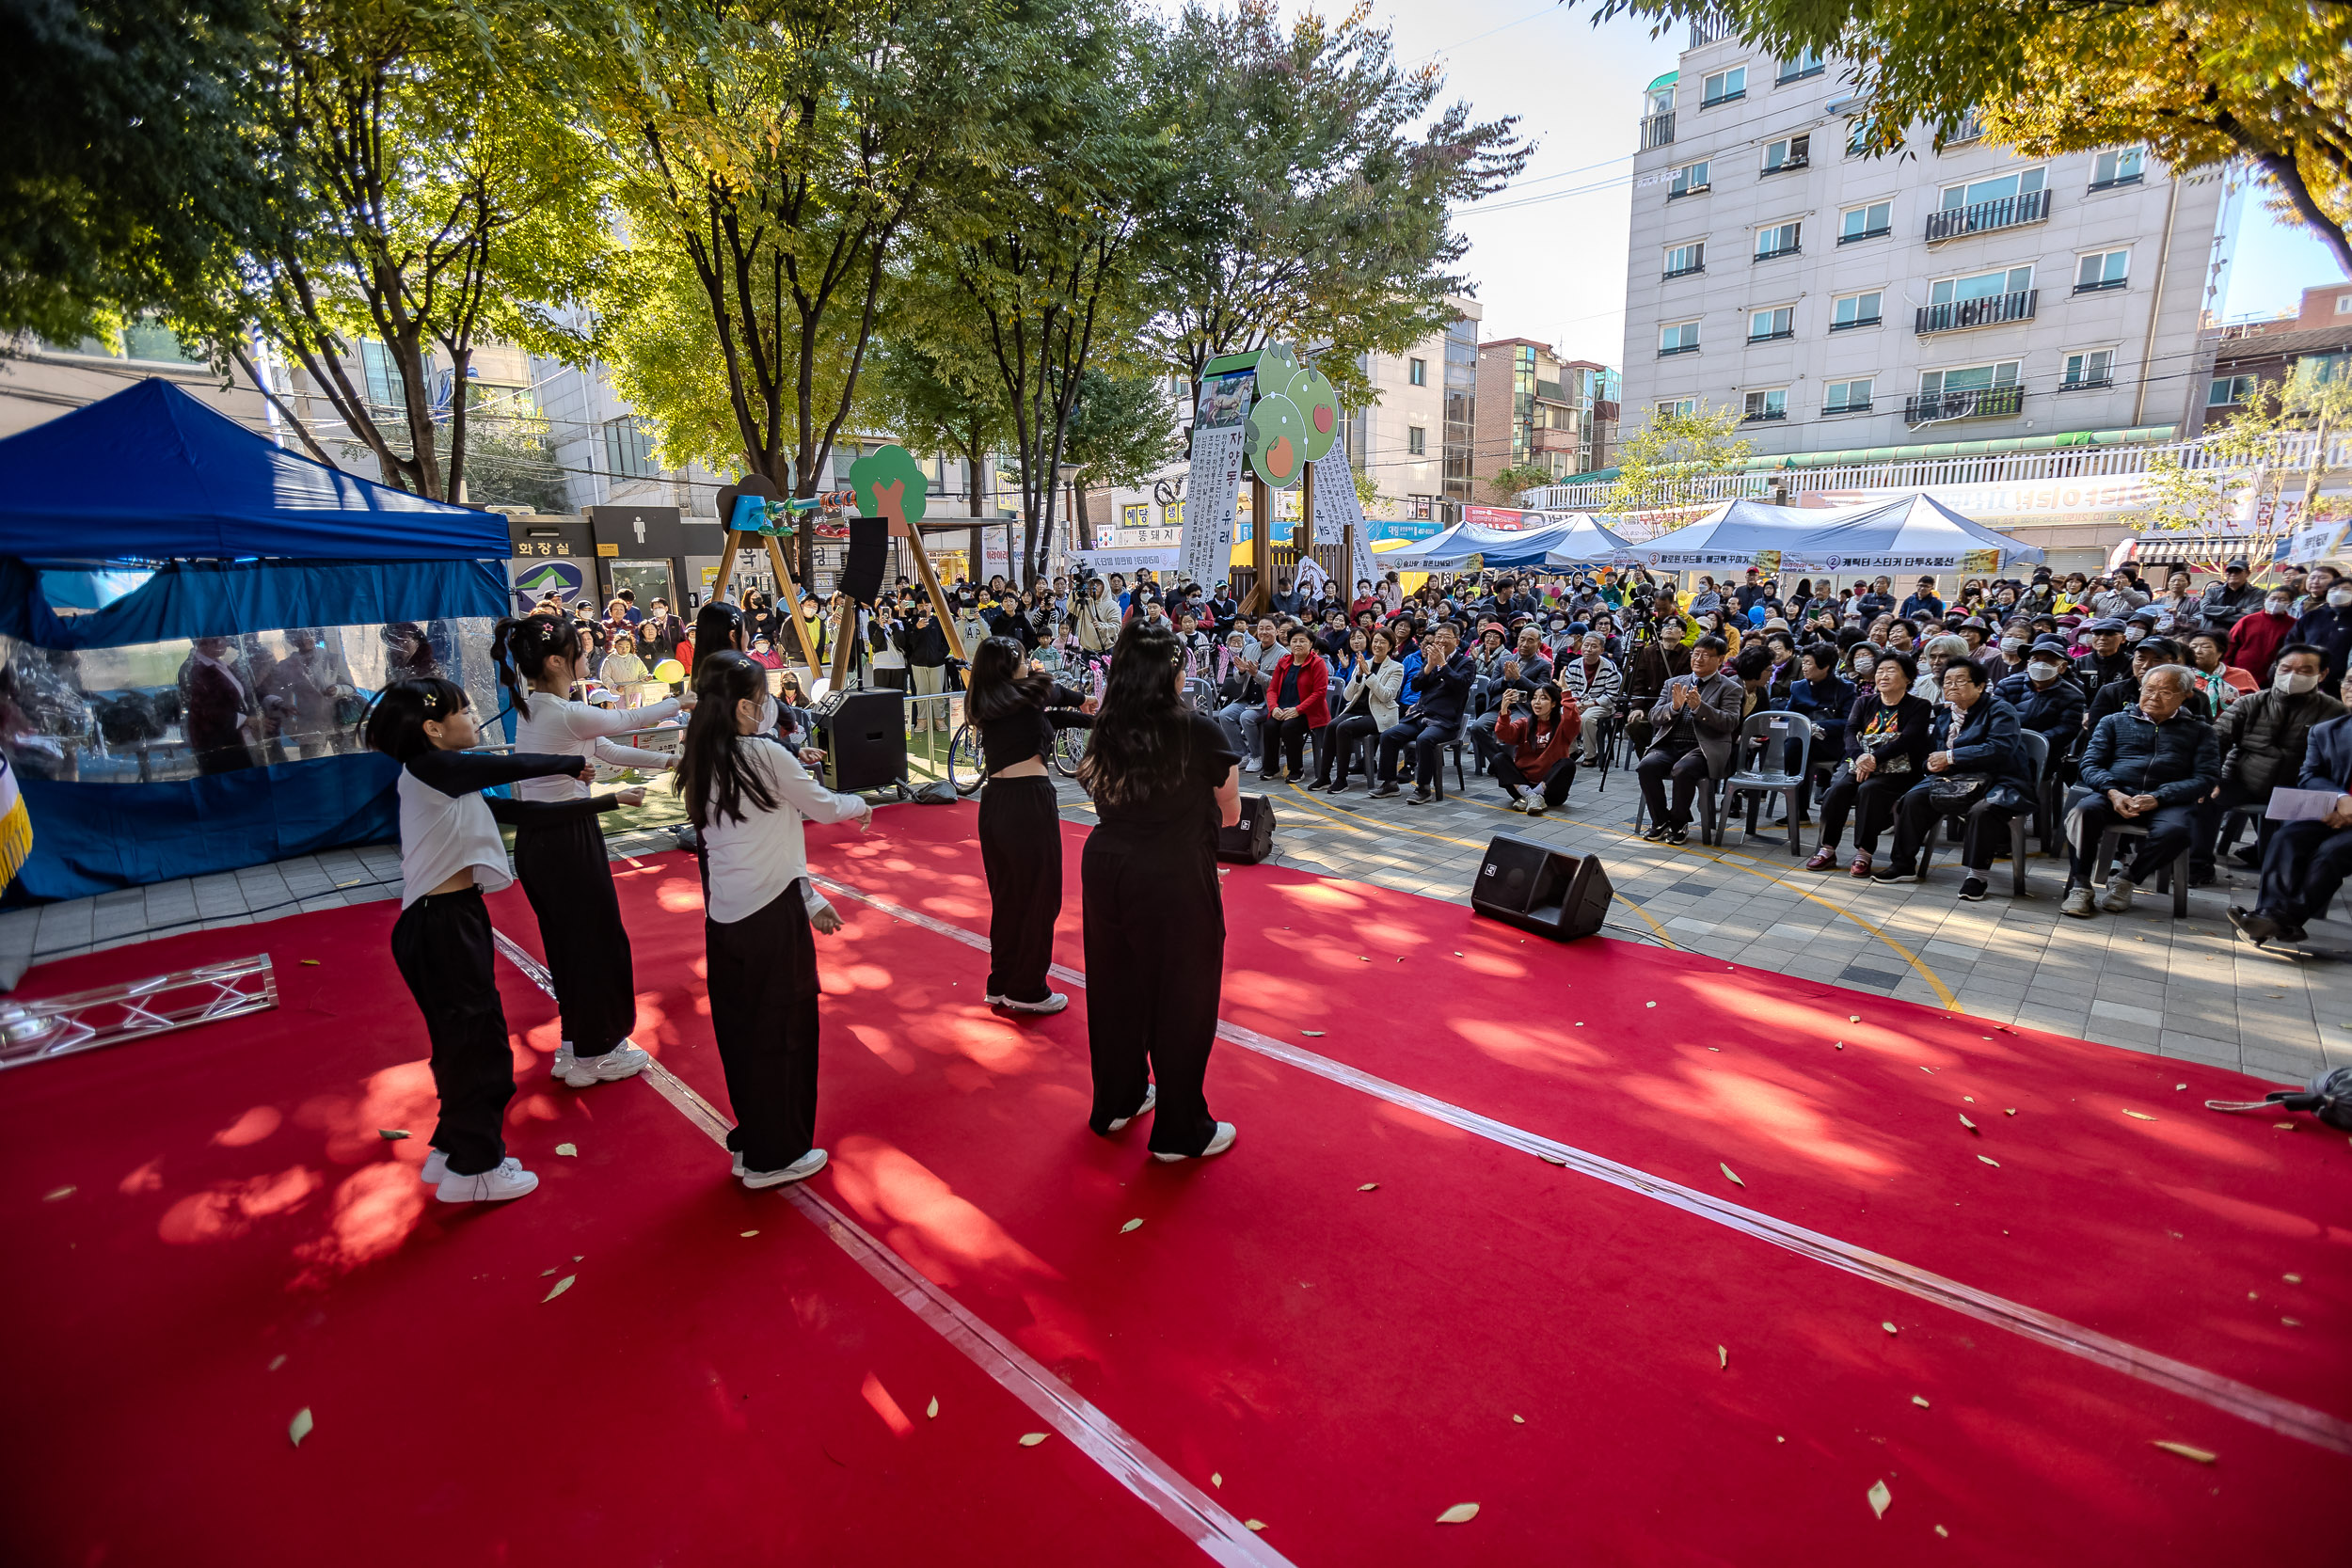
[1252,839]
[1536,888]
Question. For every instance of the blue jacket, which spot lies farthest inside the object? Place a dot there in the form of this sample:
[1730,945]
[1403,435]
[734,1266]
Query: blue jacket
[1410,692]
[1826,703]
[2328,757]
[2329,630]
[2178,761]
[2055,710]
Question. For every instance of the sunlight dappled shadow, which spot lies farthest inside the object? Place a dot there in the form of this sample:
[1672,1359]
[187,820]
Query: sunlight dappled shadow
[250,1128]
[1750,1107]
[395,1097]
[373,1211]
[680,895]
[227,1209]
[1522,1044]
[920,1218]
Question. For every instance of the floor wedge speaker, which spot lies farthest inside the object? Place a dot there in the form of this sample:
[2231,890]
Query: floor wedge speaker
[1536,888]
[1252,839]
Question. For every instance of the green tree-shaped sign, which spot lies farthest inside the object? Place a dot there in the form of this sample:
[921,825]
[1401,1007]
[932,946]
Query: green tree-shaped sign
[1294,420]
[889,483]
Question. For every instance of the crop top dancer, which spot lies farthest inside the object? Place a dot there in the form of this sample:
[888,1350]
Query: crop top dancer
[1018,710]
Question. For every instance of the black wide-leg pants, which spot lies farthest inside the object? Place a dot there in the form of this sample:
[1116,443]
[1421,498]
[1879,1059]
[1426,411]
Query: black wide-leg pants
[1155,962]
[568,880]
[763,1014]
[1020,850]
[442,945]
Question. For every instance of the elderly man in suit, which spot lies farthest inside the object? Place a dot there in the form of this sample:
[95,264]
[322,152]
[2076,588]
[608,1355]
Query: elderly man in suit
[1695,722]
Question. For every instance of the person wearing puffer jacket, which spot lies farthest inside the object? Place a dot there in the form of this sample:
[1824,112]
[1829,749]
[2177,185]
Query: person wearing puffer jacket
[1367,707]
[1537,762]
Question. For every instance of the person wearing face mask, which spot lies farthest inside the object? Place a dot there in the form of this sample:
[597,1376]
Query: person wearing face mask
[1095,616]
[2147,766]
[2328,627]
[2263,737]
[2046,696]
[2142,625]
[2304,867]
[2008,658]
[1653,664]
[2255,638]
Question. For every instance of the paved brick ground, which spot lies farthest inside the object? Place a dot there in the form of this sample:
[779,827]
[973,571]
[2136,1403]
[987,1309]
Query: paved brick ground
[2185,988]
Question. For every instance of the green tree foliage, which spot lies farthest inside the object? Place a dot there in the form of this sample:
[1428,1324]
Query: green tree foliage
[2270,462]
[1314,180]
[130,164]
[1510,481]
[2199,82]
[1664,467]
[936,400]
[1121,432]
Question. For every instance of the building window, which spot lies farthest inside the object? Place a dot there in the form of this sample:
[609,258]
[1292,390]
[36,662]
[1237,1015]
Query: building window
[628,449]
[1872,222]
[2091,368]
[2102,269]
[1417,372]
[2121,167]
[2228,392]
[1968,392]
[382,376]
[1857,138]
[1424,507]
[1416,440]
[1679,338]
[1766,405]
[1787,152]
[1690,180]
[1975,192]
[1137,515]
[1848,397]
[2344,305]
[1778,241]
[1981,285]
[1778,322]
[1725,87]
[1852,310]
[1684,259]
[1807,63]
[1672,408]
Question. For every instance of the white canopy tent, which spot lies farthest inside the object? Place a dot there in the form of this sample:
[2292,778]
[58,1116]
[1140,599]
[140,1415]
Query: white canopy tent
[1917,534]
[1736,534]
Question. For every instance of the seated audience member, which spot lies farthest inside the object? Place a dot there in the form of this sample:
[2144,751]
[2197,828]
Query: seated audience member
[1596,687]
[1695,722]
[2146,767]
[1977,766]
[2263,739]
[1519,668]
[2218,682]
[1444,683]
[2123,691]
[1297,707]
[2256,638]
[1886,744]
[1368,708]
[1242,698]
[2305,865]
[1537,734]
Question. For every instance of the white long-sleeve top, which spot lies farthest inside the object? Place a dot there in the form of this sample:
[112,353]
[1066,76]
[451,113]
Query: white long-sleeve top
[755,857]
[564,728]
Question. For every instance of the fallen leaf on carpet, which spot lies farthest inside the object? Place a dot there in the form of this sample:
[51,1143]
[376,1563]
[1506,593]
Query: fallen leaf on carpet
[561,1286]
[55,1193]
[2010,1110]
[1714,1048]
[1966,1122]
[1551,1158]
[1729,1172]
[572,1149]
[1990,1161]
[1312,1033]
[1722,1358]
[930,1411]
[1942,1531]
[1889,1327]
[2180,1085]
[1926,1069]
[1880,1497]
[1031,1439]
[2292,1278]
[2200,1455]
[1968,1099]
[1853,1018]
[580,1257]
[1131,1225]
[748,1234]
[1519,1420]
[1215,1479]
[391,1134]
[1368,1186]
[1361,958]
[1253,1524]
[544,1273]
[1841,1045]
[1457,954]
[2283,1126]
[312,962]
[2292,1322]
[1460,1514]
[300,1426]
[1920,1401]
[2139,1116]
[275,1362]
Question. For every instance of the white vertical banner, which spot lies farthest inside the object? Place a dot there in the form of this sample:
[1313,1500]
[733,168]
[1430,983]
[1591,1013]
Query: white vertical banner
[1336,508]
[1211,492]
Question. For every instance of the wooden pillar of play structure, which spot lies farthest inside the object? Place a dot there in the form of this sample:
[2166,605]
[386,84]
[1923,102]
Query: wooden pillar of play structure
[1261,546]
[724,584]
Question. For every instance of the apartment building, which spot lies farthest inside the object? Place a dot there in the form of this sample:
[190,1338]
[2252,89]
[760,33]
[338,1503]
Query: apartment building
[40,380]
[2251,354]
[1845,303]
[1418,441]
[1538,411]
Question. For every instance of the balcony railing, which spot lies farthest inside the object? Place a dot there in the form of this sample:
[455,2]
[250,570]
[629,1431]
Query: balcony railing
[1850,326]
[1754,415]
[1984,216]
[1984,402]
[1657,130]
[1776,255]
[1691,271]
[1786,165]
[1860,234]
[2102,286]
[1666,352]
[1958,315]
[2116,183]
[2087,384]
[1970,130]
[1862,407]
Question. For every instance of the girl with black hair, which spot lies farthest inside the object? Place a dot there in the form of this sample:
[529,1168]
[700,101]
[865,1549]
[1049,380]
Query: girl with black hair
[1164,780]
[449,856]
[561,864]
[1018,709]
[747,797]
[718,629]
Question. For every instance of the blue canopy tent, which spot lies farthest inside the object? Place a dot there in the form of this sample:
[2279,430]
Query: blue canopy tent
[1560,539]
[150,519]
[1580,539]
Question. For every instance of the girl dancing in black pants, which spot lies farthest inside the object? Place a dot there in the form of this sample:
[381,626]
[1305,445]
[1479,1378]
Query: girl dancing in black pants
[1164,781]
[449,856]
[1018,710]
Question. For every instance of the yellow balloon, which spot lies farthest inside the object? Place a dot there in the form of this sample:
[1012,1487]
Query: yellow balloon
[669,670]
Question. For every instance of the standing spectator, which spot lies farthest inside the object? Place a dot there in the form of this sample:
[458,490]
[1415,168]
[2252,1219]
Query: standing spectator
[1886,745]
[925,645]
[1695,722]
[659,633]
[1874,600]
[2304,868]
[1094,617]
[1535,764]
[1922,601]
[220,715]
[2147,766]
[2261,738]
[2328,626]
[1979,767]
[1297,706]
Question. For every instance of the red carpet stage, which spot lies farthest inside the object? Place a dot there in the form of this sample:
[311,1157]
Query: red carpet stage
[1616,1243]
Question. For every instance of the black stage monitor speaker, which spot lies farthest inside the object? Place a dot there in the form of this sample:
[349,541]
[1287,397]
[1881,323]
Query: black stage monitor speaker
[1538,889]
[864,735]
[1252,839]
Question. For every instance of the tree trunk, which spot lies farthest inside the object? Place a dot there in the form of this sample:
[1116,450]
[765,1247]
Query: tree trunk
[1078,511]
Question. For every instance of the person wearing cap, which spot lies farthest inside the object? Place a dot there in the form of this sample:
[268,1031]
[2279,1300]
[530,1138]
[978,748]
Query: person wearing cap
[2108,660]
[2263,738]
[2305,864]
[2048,700]
[2224,603]
[2123,693]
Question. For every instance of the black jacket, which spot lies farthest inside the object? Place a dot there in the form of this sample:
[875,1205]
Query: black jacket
[2329,630]
[1987,743]
[2264,734]
[2092,671]
[2222,606]
[924,644]
[2178,761]
[2114,697]
[1909,740]
[2055,710]
[1445,690]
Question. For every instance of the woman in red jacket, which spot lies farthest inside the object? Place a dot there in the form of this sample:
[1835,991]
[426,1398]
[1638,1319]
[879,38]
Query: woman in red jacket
[1297,704]
[1538,748]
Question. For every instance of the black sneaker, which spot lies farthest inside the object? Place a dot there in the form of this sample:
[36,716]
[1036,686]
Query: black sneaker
[2254,928]
[1894,874]
[1382,791]
[1678,835]
[1420,797]
[1974,889]
[1654,834]
[2249,857]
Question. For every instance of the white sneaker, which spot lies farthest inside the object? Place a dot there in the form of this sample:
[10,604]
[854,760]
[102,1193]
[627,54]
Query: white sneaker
[562,1066]
[2080,902]
[2118,898]
[1537,807]
[799,1170]
[625,1060]
[739,1161]
[436,1167]
[507,1180]
[1053,1004]
[1218,1143]
[1151,1097]
[1519,802]
[993,998]
[1249,764]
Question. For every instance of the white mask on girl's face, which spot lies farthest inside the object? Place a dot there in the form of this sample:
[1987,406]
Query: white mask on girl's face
[2339,596]
[2278,607]
[2288,683]
[2041,669]
[767,712]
